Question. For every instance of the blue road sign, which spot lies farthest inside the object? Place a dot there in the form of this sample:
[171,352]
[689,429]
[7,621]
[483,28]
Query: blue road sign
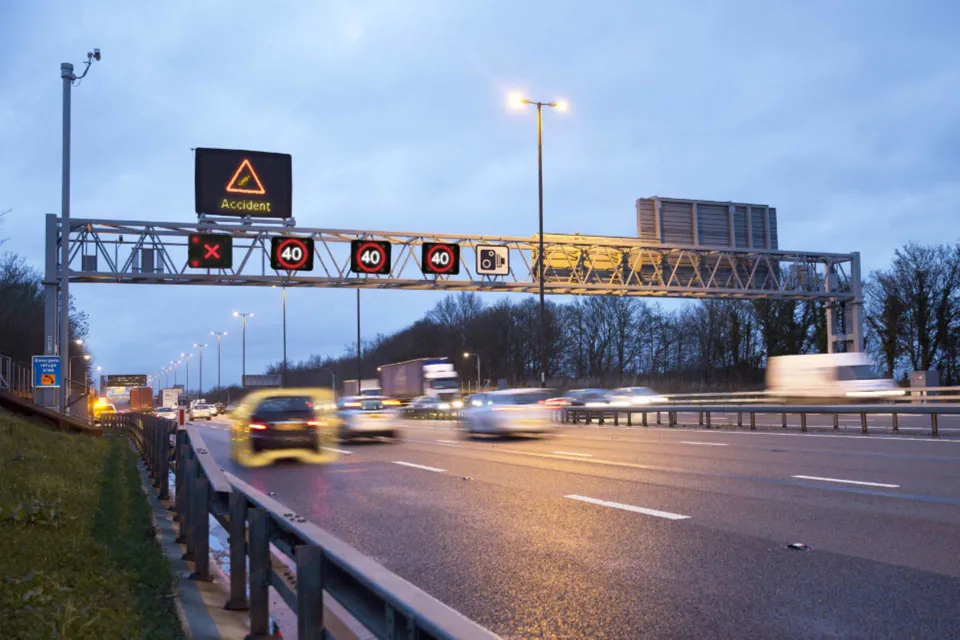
[46,371]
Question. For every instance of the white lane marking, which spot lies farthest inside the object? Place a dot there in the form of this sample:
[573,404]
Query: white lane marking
[709,444]
[419,466]
[630,507]
[868,484]
[448,441]
[574,453]
[343,451]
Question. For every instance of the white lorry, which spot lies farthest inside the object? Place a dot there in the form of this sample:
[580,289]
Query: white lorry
[827,377]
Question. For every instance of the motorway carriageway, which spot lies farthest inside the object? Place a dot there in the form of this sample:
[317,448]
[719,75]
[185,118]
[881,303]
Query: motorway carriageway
[605,532]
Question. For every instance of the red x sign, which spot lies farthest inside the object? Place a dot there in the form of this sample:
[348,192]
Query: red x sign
[211,251]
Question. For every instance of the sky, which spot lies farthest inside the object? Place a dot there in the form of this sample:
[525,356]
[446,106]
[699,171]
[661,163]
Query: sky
[841,114]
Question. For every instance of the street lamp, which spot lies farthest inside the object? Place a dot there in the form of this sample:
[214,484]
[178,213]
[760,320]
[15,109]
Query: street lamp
[243,375]
[68,77]
[333,377]
[219,335]
[200,347]
[516,100]
[477,356]
[186,359]
[174,363]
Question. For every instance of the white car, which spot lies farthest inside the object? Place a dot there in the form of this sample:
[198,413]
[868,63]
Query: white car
[367,417]
[510,411]
[634,397]
[167,412]
[206,411]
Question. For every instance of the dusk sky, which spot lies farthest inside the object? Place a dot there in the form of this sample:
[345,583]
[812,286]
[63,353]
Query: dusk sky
[841,114]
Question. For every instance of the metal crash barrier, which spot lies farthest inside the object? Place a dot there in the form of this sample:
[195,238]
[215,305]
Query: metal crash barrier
[707,413]
[324,567]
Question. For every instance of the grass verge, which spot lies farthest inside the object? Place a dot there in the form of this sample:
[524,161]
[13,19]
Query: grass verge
[78,557]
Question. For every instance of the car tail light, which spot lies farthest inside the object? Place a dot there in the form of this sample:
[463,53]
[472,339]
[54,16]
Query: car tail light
[257,426]
[314,423]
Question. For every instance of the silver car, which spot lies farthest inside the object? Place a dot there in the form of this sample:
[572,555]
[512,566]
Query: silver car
[510,411]
[367,417]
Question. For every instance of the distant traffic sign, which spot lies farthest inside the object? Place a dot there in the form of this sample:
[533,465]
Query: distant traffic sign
[210,251]
[129,380]
[291,254]
[440,258]
[493,260]
[46,371]
[229,182]
[370,256]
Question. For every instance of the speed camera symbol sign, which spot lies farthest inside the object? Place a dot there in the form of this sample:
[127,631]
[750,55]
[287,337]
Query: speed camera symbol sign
[291,254]
[493,260]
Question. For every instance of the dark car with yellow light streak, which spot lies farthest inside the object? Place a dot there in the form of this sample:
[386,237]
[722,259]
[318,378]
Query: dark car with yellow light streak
[274,424]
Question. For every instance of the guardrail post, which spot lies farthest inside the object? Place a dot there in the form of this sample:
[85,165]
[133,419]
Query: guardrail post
[803,421]
[700,419]
[896,422]
[739,418]
[863,422]
[259,572]
[753,421]
[238,552]
[157,452]
[616,418]
[179,470]
[164,462]
[709,425]
[200,529]
[836,422]
[600,417]
[643,420]
[783,420]
[658,419]
[671,418]
[934,431]
[309,592]
[186,519]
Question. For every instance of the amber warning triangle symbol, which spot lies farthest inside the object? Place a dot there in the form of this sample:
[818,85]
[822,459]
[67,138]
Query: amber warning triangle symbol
[246,180]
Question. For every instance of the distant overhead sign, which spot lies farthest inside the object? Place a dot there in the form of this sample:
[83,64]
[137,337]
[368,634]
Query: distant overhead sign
[46,371]
[229,182]
[370,256]
[291,254]
[493,260]
[210,251]
[131,380]
[440,258]
[265,380]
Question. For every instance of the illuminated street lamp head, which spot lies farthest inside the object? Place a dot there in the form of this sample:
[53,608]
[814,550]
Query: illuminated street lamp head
[86,357]
[561,105]
[78,341]
[515,100]
[466,354]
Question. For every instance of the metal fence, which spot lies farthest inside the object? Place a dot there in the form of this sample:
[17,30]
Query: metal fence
[707,414]
[385,604]
[15,378]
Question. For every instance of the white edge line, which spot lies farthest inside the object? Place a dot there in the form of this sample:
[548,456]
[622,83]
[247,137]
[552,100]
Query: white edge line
[343,451]
[448,441]
[709,444]
[418,466]
[574,453]
[630,507]
[868,484]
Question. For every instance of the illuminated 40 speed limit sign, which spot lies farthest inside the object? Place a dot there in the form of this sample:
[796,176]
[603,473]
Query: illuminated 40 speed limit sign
[440,258]
[370,256]
[291,254]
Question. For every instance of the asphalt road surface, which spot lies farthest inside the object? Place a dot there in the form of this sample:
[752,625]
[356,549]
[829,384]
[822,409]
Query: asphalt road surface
[629,533]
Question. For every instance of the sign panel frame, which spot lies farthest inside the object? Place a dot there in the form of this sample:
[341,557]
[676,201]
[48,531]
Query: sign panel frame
[360,264]
[293,245]
[126,380]
[240,183]
[47,372]
[448,255]
[201,247]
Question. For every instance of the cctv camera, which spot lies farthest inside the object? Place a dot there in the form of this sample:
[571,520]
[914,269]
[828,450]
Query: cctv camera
[96,54]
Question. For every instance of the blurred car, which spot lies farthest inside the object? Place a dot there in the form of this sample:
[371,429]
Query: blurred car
[510,411]
[367,417]
[220,408]
[585,398]
[102,408]
[431,407]
[167,412]
[204,411]
[273,424]
[634,397]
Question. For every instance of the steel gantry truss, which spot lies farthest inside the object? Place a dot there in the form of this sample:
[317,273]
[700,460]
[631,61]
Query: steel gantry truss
[137,252]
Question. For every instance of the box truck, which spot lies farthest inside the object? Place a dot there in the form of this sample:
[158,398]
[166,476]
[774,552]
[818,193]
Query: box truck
[367,387]
[170,398]
[829,378]
[141,399]
[433,377]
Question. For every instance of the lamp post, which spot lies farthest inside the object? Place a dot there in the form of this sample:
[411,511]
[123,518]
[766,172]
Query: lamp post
[243,316]
[68,77]
[186,387]
[175,364]
[333,376]
[477,356]
[219,335]
[72,358]
[517,100]
[283,375]
[199,347]
[358,341]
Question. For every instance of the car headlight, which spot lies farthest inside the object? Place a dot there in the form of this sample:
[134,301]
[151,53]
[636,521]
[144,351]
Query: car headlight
[443,405]
[458,404]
